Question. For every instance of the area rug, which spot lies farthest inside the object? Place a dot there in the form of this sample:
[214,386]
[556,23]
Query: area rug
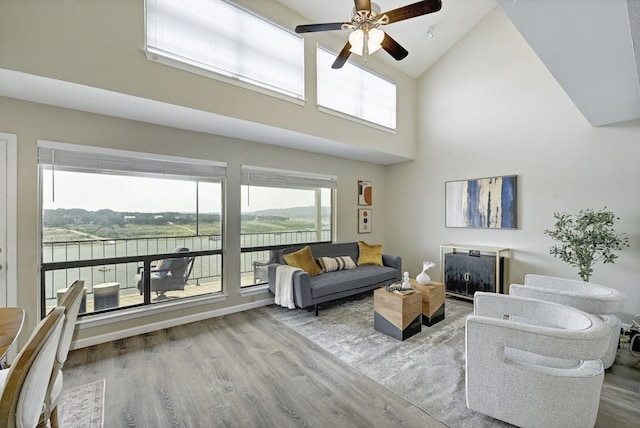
[427,369]
[82,406]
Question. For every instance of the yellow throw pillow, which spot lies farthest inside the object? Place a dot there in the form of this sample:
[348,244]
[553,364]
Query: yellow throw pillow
[303,259]
[369,254]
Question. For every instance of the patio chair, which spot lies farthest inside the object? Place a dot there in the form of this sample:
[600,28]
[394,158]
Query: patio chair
[169,274]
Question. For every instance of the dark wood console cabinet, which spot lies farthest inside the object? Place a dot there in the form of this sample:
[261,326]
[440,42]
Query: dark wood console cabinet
[467,269]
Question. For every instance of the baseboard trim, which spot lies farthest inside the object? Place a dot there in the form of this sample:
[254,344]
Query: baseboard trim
[173,322]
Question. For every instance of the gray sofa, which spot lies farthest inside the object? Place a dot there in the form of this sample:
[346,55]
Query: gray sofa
[310,291]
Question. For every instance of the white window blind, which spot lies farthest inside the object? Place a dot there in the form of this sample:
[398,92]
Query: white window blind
[354,91]
[222,37]
[115,162]
[258,176]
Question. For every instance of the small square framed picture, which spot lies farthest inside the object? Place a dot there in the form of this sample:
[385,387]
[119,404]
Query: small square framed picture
[364,220]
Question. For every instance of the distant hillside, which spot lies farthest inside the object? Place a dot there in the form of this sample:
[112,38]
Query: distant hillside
[295,212]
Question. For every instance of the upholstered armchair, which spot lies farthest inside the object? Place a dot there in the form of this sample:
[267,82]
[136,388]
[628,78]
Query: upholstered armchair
[533,363]
[596,299]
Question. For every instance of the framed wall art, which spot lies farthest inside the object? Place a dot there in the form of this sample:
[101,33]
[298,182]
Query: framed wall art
[364,220]
[488,203]
[365,191]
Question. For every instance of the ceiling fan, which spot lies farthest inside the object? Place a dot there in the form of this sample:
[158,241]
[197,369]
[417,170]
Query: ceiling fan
[366,36]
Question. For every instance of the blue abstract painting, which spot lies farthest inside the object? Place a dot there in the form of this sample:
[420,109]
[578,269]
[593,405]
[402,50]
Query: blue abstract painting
[482,203]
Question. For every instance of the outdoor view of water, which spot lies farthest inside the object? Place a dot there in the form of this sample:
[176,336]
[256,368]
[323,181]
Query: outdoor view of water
[205,268]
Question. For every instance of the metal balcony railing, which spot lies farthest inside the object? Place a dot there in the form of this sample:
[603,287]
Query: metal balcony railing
[104,260]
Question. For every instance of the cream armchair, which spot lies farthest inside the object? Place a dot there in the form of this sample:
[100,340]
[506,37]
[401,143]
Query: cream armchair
[596,299]
[533,363]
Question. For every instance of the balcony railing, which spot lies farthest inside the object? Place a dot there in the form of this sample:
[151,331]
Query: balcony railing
[103,261]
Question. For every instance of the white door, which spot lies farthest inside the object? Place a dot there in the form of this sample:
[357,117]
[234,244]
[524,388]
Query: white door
[8,219]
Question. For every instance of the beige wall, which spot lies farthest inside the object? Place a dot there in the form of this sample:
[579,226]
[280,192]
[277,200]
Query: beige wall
[32,122]
[100,44]
[489,107]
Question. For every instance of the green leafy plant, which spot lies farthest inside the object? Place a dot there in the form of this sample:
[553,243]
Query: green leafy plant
[586,238]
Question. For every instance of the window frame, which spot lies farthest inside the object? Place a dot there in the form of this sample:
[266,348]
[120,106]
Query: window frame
[146,160]
[175,60]
[288,179]
[347,115]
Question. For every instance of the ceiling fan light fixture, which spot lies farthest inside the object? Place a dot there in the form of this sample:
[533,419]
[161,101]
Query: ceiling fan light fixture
[374,42]
[356,39]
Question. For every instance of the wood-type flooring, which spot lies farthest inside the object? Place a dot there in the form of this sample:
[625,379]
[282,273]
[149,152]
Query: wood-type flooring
[249,370]
[240,370]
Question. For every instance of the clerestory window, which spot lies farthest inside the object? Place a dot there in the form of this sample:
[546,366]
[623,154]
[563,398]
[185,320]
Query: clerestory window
[224,39]
[355,91]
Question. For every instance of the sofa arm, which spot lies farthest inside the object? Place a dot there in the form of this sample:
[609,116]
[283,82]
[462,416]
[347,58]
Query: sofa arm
[394,262]
[301,286]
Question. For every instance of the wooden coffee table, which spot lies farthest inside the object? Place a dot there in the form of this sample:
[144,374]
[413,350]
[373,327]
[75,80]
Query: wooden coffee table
[399,316]
[433,295]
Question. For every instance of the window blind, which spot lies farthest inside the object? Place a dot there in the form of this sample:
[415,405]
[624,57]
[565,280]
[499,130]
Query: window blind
[355,91]
[114,162]
[258,176]
[222,37]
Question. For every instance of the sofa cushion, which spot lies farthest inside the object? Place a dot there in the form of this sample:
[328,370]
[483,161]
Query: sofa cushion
[338,281]
[369,254]
[329,264]
[303,259]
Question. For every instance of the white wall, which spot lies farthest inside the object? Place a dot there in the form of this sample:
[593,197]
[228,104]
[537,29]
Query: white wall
[489,107]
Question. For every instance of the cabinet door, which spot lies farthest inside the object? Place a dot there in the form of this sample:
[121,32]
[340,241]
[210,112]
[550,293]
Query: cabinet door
[465,274]
[455,273]
[482,271]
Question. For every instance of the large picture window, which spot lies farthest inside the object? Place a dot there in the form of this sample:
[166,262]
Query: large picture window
[137,229]
[281,208]
[355,91]
[222,37]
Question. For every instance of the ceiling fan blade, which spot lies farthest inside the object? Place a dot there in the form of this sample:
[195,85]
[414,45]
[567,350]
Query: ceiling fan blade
[312,28]
[393,48]
[363,5]
[413,10]
[342,56]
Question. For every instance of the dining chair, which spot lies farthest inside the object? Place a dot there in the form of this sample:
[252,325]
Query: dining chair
[71,302]
[24,384]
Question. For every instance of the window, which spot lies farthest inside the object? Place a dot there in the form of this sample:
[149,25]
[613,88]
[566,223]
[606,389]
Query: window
[354,91]
[281,208]
[138,229]
[221,37]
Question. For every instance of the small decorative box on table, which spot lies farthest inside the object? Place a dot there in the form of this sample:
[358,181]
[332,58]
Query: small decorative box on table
[433,295]
[398,315]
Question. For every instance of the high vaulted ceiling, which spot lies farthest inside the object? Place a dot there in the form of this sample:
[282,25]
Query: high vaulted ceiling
[591,47]
[448,26]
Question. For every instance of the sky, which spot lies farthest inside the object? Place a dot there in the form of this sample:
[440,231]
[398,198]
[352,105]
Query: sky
[93,192]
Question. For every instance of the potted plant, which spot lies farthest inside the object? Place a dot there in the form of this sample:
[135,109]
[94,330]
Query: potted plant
[586,238]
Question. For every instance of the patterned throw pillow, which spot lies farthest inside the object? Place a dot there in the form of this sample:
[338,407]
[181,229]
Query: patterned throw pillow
[330,264]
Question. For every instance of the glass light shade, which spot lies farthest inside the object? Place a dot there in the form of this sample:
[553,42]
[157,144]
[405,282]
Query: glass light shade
[374,43]
[356,39]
